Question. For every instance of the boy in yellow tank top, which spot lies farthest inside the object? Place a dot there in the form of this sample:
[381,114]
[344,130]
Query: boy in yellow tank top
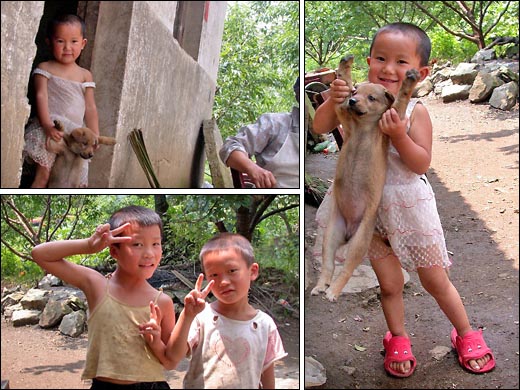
[117,352]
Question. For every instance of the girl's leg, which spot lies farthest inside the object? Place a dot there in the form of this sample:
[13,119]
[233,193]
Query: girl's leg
[435,280]
[391,282]
[42,177]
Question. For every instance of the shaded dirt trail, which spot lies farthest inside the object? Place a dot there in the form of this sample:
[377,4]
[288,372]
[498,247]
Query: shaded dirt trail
[474,174]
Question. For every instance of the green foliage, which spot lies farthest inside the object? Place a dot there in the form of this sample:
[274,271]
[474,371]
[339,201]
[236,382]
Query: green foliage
[188,223]
[333,29]
[259,62]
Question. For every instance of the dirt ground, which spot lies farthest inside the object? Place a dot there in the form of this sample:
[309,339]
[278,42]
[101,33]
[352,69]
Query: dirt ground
[34,358]
[474,173]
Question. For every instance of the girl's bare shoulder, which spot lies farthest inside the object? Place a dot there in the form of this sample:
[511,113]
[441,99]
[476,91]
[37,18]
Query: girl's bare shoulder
[86,75]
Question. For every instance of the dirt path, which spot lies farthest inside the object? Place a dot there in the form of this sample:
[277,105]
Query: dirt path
[474,173]
[34,358]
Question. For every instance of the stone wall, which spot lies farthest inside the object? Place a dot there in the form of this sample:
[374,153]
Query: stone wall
[20,21]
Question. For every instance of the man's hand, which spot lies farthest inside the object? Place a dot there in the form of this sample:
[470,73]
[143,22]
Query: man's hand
[261,178]
[104,237]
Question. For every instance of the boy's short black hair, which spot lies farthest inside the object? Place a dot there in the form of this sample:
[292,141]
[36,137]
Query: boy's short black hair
[424,45]
[65,19]
[224,241]
[139,215]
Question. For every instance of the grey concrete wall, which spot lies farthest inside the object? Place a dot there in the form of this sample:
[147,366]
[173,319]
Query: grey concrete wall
[209,50]
[153,85]
[20,20]
[144,80]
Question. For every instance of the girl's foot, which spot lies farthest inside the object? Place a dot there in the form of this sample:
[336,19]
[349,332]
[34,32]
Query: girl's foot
[473,353]
[399,360]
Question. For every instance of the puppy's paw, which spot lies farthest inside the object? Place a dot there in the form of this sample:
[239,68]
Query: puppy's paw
[413,75]
[318,289]
[331,295]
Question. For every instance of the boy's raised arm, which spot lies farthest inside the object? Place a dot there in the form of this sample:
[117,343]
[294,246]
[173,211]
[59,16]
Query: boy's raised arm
[50,255]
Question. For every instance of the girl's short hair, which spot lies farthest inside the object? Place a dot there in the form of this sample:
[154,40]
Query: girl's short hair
[424,45]
[224,241]
[65,19]
[142,216]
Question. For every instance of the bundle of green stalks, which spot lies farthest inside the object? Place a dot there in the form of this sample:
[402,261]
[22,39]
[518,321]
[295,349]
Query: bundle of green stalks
[315,189]
[137,142]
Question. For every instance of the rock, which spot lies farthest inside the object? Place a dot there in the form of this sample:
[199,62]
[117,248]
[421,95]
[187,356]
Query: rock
[25,317]
[53,313]
[315,373]
[73,324]
[455,92]
[439,352]
[484,55]
[11,299]
[483,87]
[35,299]
[363,278]
[504,97]
[9,310]
[423,88]
[464,74]
[48,281]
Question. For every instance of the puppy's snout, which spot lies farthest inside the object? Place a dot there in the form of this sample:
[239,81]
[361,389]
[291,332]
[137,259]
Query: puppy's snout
[352,102]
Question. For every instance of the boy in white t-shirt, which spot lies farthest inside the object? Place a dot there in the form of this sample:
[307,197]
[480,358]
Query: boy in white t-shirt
[229,343]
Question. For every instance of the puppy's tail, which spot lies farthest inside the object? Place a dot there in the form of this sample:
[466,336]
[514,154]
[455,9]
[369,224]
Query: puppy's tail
[106,140]
[344,71]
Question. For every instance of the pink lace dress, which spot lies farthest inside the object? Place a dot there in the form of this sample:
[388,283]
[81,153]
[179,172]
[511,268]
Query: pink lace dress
[67,104]
[407,219]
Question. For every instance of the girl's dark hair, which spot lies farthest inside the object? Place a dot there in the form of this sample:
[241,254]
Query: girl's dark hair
[65,19]
[224,241]
[424,45]
[142,216]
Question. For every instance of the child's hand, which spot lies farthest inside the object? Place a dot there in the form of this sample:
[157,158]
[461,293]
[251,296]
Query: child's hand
[104,237]
[194,302]
[151,330]
[53,132]
[339,91]
[392,125]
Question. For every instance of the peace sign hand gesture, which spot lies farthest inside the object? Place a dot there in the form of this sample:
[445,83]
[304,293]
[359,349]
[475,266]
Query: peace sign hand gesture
[104,237]
[194,302]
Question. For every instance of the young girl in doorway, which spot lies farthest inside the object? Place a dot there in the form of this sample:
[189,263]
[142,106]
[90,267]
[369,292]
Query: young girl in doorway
[64,91]
[407,221]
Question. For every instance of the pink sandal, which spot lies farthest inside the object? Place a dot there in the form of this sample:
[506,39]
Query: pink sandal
[398,349]
[472,347]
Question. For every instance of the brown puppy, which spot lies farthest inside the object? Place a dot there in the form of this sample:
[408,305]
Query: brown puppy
[73,148]
[360,175]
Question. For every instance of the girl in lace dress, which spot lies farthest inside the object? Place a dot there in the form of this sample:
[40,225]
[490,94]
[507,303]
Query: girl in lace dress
[409,227]
[64,91]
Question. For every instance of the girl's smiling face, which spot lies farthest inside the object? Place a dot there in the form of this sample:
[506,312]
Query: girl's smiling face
[393,53]
[67,42]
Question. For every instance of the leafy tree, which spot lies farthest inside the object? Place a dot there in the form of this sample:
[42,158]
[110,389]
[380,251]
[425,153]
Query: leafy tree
[476,20]
[259,62]
[457,29]
[189,220]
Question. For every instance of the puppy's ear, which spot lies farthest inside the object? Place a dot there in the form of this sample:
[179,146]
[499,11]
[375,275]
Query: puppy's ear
[389,98]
